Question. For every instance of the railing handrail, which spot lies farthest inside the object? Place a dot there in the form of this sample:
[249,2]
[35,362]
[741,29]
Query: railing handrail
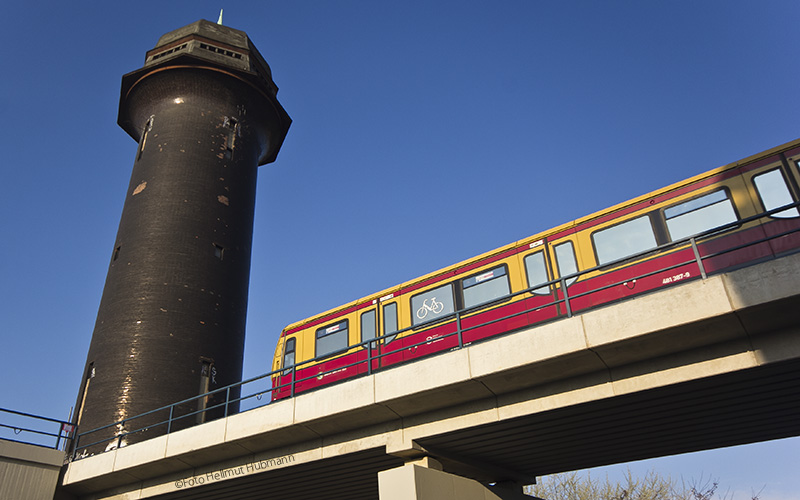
[457,315]
[62,430]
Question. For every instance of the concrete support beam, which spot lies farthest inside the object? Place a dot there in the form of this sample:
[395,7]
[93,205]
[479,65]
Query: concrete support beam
[415,482]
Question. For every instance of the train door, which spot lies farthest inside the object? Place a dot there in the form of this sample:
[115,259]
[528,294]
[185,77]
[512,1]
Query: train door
[564,263]
[369,354]
[538,267]
[390,345]
[775,187]
[283,380]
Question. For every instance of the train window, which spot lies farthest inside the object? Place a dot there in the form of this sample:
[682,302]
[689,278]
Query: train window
[331,338]
[389,321]
[432,304]
[485,287]
[624,240]
[536,269]
[288,354]
[700,214]
[565,258]
[368,325]
[774,193]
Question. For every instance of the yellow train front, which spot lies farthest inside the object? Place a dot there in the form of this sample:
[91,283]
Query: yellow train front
[730,217]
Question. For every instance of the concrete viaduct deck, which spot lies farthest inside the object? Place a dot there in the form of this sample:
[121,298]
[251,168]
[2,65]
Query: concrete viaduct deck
[700,365]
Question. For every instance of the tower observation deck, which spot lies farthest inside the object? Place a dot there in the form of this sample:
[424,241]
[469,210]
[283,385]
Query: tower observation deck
[171,321]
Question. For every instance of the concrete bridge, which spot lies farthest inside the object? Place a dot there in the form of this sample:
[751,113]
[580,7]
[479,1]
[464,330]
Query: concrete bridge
[700,365]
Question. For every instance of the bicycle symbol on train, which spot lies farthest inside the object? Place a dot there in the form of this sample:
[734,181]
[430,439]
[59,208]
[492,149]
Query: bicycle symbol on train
[435,307]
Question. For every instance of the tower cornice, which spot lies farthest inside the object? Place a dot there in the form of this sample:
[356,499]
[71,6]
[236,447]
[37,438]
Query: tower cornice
[207,45]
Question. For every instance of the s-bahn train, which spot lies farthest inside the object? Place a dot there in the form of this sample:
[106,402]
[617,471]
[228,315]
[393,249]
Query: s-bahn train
[729,217]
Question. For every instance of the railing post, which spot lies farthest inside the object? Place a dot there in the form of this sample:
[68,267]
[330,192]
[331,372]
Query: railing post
[227,399]
[75,445]
[291,382]
[698,258]
[369,358]
[458,330]
[169,420]
[566,297]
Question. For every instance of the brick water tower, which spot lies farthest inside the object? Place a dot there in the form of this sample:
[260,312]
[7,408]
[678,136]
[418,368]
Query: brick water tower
[171,322]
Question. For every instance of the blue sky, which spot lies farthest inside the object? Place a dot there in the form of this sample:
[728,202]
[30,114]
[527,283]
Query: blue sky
[424,133]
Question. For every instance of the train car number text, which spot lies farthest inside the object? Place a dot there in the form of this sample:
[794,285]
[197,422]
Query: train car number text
[673,279]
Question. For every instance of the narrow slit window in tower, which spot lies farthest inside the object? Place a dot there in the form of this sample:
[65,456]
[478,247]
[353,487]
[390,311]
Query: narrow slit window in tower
[147,128]
[207,371]
[89,376]
[232,125]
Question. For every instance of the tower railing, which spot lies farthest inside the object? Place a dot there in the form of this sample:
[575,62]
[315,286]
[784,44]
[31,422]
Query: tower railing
[254,391]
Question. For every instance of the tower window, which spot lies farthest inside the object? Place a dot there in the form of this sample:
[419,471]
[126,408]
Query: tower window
[168,52]
[207,377]
[218,251]
[87,380]
[222,51]
[116,254]
[232,125]
[147,128]
[230,122]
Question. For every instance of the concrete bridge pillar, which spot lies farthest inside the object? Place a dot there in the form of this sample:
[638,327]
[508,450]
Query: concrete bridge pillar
[424,479]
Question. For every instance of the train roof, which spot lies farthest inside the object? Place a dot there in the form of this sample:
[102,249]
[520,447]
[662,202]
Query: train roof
[795,144]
